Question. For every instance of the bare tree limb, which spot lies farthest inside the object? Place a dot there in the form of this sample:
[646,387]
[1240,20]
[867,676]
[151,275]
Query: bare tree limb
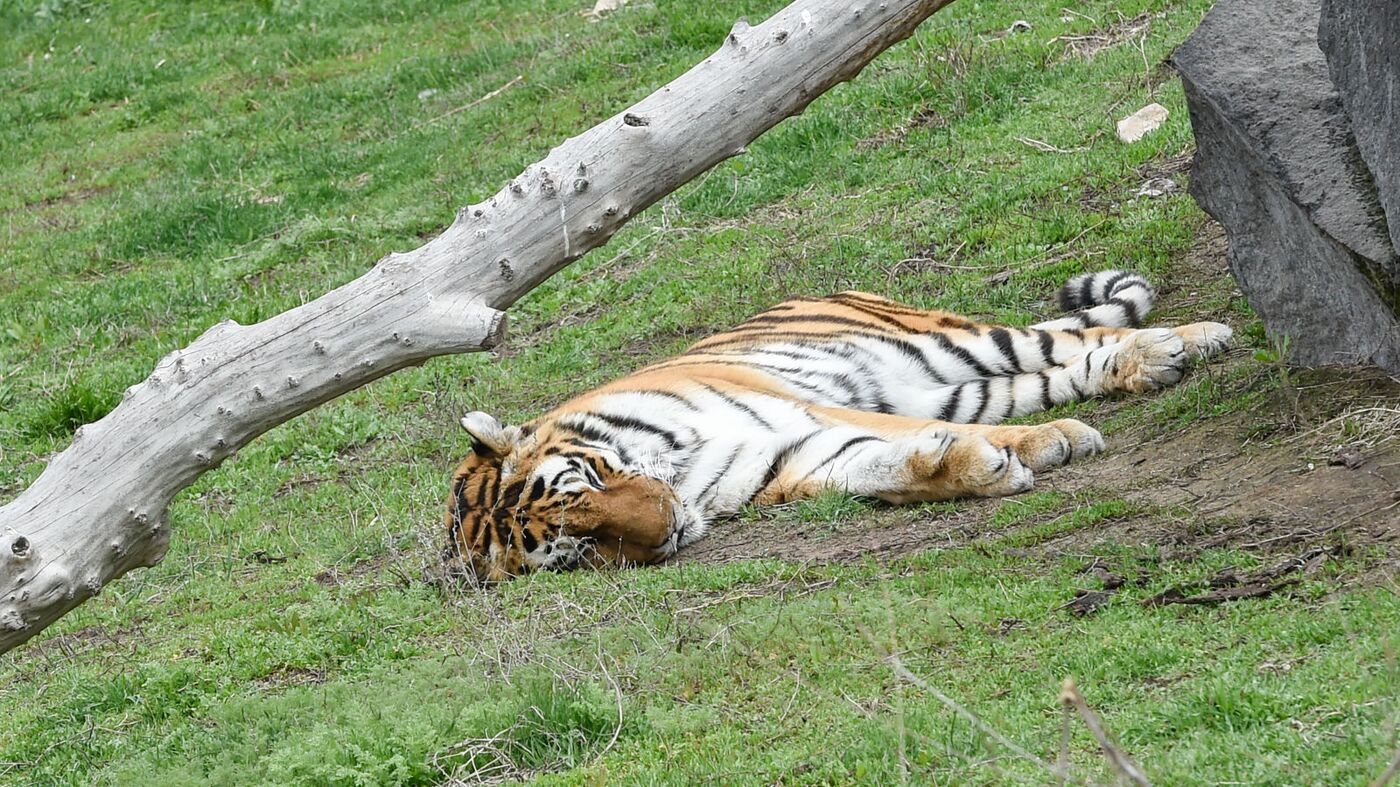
[99,508]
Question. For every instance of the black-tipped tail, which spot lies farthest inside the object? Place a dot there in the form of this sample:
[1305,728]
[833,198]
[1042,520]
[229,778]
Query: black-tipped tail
[1116,299]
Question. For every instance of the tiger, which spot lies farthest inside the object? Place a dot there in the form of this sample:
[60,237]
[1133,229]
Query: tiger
[851,392]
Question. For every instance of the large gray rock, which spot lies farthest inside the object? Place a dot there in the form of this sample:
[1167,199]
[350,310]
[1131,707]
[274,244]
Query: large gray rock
[1278,166]
[1361,39]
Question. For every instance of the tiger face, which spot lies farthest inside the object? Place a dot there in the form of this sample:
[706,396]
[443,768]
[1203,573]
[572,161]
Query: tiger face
[549,499]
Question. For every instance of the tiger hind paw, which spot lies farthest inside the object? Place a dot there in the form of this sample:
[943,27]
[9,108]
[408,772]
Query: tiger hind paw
[1204,339]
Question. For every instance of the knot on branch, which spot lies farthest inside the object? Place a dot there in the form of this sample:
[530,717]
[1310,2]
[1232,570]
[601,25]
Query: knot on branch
[20,548]
[630,119]
[741,26]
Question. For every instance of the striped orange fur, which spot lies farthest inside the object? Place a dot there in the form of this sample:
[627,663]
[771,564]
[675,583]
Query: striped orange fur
[852,392]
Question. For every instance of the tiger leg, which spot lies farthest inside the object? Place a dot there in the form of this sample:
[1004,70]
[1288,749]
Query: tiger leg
[1143,360]
[1039,446]
[992,351]
[898,465]
[901,459]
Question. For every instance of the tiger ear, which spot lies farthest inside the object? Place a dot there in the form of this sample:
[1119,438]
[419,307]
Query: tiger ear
[489,437]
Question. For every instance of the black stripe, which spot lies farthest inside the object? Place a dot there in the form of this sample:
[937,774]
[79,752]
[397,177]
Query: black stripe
[1002,339]
[638,425]
[865,308]
[912,352]
[592,433]
[747,410]
[950,407]
[1113,282]
[495,480]
[846,446]
[884,304]
[536,490]
[986,399]
[591,472]
[1086,291]
[1047,347]
[728,463]
[481,541]
[962,355]
[1130,310]
[1045,402]
[764,321]
[780,461]
[717,343]
[669,395]
[528,539]
[588,432]
[510,498]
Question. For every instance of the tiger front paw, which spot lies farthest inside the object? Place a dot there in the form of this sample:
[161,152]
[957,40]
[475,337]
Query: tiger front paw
[989,470]
[1057,443]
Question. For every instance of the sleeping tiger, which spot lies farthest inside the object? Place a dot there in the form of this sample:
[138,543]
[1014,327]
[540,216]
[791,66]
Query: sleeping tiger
[851,392]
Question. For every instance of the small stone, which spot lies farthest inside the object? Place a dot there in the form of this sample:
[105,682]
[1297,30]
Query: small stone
[1156,187]
[1019,26]
[1349,458]
[604,7]
[1137,125]
[424,95]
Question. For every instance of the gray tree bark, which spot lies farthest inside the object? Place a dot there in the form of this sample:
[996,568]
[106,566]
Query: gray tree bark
[99,508]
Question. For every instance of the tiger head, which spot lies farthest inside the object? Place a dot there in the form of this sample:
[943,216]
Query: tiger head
[542,497]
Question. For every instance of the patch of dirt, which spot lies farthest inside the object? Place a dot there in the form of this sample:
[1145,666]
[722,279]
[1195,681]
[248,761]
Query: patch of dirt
[924,118]
[47,653]
[1306,482]
[889,534]
[335,576]
[1313,464]
[1088,45]
[74,197]
[286,677]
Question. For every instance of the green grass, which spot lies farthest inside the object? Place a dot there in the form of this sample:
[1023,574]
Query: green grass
[168,166]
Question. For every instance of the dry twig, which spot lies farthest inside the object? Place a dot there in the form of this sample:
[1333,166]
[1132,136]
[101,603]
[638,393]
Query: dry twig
[1389,774]
[1119,759]
[473,102]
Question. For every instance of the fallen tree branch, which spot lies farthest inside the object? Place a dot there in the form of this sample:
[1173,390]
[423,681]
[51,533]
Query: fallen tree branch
[99,508]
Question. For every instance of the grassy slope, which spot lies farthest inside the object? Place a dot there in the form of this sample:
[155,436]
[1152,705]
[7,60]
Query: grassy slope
[172,165]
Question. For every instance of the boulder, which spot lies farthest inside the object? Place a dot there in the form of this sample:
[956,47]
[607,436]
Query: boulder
[1361,40]
[1278,165]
